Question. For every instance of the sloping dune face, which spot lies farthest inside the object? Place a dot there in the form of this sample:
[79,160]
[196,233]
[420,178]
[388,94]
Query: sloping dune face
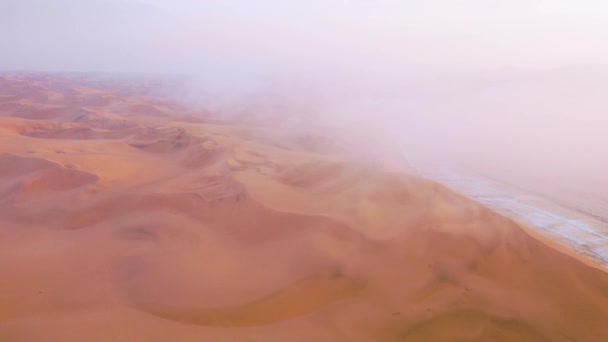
[116,225]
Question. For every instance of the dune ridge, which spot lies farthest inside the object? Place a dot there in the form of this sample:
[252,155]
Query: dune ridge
[130,220]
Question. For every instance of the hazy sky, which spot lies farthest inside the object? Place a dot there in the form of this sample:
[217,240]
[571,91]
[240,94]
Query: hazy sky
[282,36]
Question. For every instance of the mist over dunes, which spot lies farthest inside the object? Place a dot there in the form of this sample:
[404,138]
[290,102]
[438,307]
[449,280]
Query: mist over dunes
[131,220]
[275,170]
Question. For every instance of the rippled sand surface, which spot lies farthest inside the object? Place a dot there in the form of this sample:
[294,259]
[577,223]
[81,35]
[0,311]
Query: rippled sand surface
[124,218]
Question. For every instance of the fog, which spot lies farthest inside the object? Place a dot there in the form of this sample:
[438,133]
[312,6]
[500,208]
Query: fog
[513,90]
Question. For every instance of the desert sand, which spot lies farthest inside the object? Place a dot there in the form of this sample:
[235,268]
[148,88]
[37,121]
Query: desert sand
[125,218]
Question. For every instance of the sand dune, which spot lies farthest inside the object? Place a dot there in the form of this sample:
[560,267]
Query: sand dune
[28,178]
[121,220]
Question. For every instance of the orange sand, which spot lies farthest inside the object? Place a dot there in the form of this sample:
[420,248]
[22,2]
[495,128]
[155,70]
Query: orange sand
[123,219]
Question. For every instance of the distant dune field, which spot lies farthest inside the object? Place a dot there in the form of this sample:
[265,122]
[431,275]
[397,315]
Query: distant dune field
[124,218]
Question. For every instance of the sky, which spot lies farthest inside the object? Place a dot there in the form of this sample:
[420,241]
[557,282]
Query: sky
[378,36]
[513,88]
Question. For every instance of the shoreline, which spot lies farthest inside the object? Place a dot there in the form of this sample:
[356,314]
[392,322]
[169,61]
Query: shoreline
[581,233]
